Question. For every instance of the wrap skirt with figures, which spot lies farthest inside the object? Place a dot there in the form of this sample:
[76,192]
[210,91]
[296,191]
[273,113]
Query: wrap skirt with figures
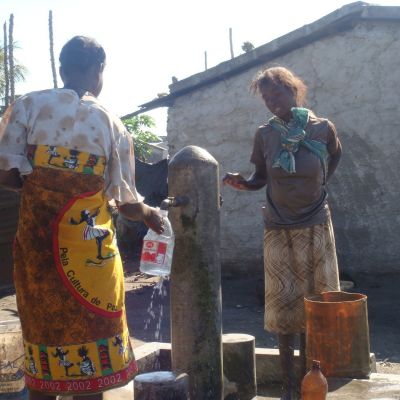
[69,278]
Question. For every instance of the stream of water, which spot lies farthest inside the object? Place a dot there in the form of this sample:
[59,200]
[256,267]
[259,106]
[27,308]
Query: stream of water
[156,308]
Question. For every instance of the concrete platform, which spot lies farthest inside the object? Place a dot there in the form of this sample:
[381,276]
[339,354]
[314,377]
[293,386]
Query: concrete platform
[242,313]
[157,356]
[379,386]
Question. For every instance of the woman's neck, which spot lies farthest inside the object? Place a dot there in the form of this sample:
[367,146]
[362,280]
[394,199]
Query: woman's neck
[287,117]
[78,90]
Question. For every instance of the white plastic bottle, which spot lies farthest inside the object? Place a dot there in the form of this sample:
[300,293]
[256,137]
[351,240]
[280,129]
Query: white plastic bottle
[157,250]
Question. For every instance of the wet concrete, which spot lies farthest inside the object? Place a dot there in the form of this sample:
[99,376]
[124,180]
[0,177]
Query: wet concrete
[242,313]
[379,386]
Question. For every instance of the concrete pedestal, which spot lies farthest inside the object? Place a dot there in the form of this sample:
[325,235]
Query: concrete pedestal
[239,366]
[161,385]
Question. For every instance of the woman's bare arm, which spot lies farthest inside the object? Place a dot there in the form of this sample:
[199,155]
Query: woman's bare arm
[142,212]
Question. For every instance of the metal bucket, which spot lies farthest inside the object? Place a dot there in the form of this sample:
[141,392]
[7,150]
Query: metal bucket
[12,359]
[337,334]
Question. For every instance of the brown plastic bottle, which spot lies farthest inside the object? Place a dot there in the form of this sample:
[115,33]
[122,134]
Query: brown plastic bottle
[314,385]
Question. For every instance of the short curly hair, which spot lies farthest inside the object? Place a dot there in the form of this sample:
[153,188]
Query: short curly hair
[280,76]
[80,53]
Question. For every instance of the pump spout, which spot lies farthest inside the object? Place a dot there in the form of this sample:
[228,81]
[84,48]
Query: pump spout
[177,201]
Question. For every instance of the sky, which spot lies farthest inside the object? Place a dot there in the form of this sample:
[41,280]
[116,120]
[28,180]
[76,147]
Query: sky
[148,42]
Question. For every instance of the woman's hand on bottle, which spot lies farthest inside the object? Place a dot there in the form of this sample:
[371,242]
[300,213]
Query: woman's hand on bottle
[142,212]
[235,180]
[154,220]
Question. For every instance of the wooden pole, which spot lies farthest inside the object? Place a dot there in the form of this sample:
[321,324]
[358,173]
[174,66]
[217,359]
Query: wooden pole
[53,66]
[231,42]
[6,74]
[11,57]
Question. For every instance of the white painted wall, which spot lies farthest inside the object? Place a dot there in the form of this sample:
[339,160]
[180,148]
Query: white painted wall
[354,80]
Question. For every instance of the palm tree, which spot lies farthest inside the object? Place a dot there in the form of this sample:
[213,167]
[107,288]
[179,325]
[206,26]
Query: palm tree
[19,75]
[10,70]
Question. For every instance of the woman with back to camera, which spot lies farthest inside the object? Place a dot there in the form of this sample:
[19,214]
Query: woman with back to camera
[69,157]
[294,155]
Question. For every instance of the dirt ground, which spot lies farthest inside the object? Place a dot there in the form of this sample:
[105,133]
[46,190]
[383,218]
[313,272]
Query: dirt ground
[149,312]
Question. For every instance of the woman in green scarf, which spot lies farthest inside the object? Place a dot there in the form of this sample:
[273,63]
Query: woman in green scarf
[294,155]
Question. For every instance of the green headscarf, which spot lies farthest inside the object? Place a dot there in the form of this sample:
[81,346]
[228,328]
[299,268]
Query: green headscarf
[293,135]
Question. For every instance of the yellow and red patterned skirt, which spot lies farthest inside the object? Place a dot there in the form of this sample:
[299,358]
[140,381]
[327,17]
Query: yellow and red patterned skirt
[69,278]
